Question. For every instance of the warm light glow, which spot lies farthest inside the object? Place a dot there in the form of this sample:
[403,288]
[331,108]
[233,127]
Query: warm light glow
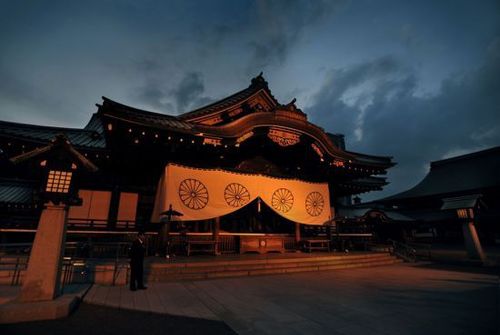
[43,163]
[213,141]
[110,126]
[244,137]
[203,194]
[465,213]
[338,163]
[283,137]
[58,181]
[317,149]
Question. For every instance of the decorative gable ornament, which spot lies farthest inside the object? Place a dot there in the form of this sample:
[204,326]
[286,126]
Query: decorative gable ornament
[283,137]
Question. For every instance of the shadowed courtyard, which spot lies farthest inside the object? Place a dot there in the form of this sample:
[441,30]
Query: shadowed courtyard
[92,319]
[398,299]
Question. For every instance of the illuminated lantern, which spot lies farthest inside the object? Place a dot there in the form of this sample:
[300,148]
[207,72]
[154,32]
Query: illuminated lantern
[55,165]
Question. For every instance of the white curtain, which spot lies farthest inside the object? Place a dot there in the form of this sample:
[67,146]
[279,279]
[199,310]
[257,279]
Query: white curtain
[201,194]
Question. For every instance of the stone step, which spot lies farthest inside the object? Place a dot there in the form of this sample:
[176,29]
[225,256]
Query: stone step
[278,260]
[257,266]
[243,272]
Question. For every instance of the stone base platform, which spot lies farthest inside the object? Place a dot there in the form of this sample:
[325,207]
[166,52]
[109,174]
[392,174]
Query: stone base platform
[13,311]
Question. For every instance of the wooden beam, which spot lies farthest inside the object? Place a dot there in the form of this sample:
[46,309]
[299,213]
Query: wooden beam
[215,234]
[297,234]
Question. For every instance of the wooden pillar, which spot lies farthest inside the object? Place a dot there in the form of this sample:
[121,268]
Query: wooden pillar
[43,276]
[113,208]
[297,235]
[163,239]
[215,234]
[329,236]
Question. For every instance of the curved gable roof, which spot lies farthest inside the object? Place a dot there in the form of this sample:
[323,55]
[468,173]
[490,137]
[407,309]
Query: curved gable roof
[258,86]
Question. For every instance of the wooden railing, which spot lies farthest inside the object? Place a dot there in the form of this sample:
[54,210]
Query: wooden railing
[76,266]
[72,223]
[228,243]
[100,224]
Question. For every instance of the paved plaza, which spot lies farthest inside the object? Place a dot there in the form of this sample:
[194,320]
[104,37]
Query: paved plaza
[397,299]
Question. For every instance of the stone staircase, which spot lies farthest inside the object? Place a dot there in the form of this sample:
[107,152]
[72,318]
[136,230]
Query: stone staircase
[197,270]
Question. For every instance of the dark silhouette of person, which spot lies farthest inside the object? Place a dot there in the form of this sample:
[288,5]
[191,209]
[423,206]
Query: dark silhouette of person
[137,252]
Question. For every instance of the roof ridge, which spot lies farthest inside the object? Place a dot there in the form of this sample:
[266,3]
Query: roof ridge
[470,155]
[257,83]
[368,156]
[108,100]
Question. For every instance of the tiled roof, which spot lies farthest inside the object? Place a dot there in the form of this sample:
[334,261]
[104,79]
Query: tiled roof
[370,181]
[43,134]
[384,161]
[15,193]
[116,110]
[462,174]
[354,212]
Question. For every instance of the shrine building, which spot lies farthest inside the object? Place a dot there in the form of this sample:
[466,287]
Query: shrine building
[245,165]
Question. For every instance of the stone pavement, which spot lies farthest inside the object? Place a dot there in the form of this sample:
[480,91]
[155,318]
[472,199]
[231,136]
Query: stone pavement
[8,293]
[397,299]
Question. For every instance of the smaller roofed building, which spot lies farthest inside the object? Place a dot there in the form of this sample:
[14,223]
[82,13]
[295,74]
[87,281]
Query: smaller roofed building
[472,177]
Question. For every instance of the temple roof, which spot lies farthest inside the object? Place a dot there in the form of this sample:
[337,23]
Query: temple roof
[43,134]
[372,159]
[228,119]
[258,84]
[126,113]
[358,212]
[462,174]
[15,192]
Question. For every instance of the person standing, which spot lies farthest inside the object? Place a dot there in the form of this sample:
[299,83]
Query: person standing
[137,252]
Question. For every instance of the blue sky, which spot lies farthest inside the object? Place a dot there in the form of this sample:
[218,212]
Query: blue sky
[417,80]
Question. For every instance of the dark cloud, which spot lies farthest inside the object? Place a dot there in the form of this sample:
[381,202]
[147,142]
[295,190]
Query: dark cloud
[152,95]
[280,23]
[57,59]
[375,105]
[188,94]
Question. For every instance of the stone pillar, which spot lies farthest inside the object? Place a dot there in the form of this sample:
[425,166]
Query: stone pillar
[215,234]
[43,277]
[472,243]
